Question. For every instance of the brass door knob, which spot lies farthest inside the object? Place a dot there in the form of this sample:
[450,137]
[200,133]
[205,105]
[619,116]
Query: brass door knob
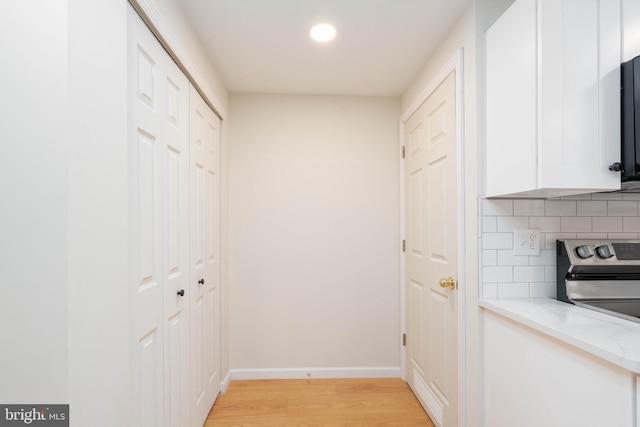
[449,282]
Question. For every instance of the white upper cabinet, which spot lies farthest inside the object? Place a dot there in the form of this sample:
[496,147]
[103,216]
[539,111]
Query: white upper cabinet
[553,98]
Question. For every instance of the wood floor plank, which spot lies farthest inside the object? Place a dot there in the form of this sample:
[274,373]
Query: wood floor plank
[352,406]
[339,421]
[279,392]
[382,386]
[246,409]
[388,396]
[400,420]
[322,403]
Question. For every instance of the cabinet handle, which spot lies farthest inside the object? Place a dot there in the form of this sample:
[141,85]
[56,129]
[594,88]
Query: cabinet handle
[181,292]
[201,281]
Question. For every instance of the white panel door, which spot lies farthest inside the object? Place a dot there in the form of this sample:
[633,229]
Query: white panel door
[175,173]
[146,149]
[159,230]
[204,287]
[431,253]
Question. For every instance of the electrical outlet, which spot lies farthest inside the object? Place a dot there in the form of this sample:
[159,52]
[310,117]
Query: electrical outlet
[526,241]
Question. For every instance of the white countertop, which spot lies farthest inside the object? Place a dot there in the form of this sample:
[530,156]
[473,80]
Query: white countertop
[608,337]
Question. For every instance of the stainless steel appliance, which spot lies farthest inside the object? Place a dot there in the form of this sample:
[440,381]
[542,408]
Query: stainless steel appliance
[629,165]
[602,275]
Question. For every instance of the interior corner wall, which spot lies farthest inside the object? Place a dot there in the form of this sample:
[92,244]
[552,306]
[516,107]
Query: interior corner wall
[461,36]
[314,232]
[224,251]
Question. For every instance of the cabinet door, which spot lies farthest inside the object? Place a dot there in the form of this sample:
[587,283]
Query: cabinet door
[204,204]
[553,98]
[534,380]
[579,104]
[511,82]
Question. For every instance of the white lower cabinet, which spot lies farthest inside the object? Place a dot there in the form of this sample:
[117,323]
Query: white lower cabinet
[174,239]
[533,380]
[553,98]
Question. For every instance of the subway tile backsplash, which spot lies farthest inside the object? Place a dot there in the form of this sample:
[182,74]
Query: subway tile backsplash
[590,216]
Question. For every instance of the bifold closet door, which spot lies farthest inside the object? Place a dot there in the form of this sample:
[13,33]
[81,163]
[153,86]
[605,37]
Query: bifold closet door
[205,257]
[175,243]
[158,158]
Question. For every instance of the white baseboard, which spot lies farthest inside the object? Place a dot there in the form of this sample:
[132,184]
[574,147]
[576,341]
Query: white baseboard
[224,385]
[315,373]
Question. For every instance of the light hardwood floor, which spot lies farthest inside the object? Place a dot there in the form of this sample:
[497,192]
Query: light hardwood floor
[340,402]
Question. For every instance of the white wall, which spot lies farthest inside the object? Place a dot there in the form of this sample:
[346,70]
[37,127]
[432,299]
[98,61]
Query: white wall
[97,214]
[314,232]
[33,217]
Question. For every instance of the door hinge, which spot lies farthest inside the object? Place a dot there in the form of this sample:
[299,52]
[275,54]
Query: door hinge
[404,339]
[404,245]
[403,151]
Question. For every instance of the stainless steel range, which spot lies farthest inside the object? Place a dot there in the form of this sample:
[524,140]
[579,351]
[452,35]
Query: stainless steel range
[602,275]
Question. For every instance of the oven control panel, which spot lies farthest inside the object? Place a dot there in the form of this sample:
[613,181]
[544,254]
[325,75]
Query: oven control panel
[602,275]
[602,252]
[627,251]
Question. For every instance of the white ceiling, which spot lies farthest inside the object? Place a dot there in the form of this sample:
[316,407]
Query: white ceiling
[263,46]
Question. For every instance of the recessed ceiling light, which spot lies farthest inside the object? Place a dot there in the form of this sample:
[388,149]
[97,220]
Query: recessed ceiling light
[323,32]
